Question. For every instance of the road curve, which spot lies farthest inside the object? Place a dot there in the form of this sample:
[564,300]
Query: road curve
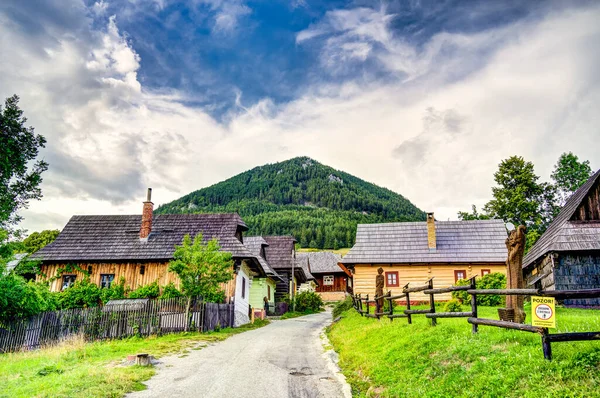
[283,359]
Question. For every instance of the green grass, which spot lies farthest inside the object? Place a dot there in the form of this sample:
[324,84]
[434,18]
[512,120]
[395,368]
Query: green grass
[341,252]
[394,359]
[296,314]
[79,369]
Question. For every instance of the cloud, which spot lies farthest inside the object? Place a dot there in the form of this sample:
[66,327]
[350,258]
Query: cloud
[434,130]
[227,14]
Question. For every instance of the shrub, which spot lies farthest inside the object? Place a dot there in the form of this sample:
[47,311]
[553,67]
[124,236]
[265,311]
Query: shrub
[150,291]
[342,306]
[494,280]
[308,301]
[116,291]
[453,305]
[81,295]
[170,291]
[19,299]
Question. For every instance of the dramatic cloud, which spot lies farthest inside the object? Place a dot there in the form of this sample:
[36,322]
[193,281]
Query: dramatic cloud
[430,120]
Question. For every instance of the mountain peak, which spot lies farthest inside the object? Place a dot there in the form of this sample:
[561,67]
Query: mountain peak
[319,205]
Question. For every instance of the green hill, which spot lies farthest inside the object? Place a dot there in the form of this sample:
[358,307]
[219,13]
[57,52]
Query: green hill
[317,204]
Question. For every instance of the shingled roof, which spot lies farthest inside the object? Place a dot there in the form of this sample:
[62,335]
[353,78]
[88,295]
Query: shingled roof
[302,262]
[255,244]
[406,242]
[279,252]
[322,262]
[116,238]
[565,234]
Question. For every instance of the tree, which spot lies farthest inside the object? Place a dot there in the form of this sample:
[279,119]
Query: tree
[569,174]
[38,240]
[201,267]
[474,215]
[19,179]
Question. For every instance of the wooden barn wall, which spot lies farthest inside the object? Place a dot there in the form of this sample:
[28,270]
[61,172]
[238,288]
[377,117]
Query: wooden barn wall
[130,271]
[589,209]
[576,272]
[283,288]
[416,275]
[339,282]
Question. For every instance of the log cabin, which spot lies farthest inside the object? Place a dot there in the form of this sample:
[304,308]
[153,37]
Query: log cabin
[310,285]
[333,281]
[567,255]
[281,256]
[138,248]
[262,286]
[413,252]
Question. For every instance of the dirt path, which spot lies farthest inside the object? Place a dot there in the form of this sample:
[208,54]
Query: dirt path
[284,359]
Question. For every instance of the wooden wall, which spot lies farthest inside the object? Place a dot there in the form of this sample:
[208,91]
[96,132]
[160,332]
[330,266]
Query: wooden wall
[589,209]
[339,282]
[130,271]
[416,275]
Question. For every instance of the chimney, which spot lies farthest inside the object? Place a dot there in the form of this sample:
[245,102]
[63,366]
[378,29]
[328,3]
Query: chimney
[431,240]
[147,216]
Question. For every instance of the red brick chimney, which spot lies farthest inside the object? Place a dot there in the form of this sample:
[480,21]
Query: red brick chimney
[147,216]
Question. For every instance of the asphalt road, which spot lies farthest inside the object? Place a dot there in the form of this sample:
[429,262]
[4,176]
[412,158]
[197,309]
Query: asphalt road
[286,358]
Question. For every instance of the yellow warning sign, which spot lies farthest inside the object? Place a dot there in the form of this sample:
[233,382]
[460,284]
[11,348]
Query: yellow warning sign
[542,312]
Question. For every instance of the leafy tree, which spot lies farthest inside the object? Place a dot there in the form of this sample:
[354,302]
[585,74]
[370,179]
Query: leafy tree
[20,299]
[38,240]
[201,267]
[150,291]
[170,291]
[473,215]
[19,178]
[569,174]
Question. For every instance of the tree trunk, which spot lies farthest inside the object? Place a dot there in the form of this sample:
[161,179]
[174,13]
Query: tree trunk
[187,314]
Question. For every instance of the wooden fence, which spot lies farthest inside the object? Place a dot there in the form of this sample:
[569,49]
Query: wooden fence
[471,316]
[135,318]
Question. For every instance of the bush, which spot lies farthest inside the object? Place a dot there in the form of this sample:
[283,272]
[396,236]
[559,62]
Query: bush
[116,291]
[170,291]
[342,306]
[308,301]
[494,280]
[82,294]
[20,299]
[453,305]
[150,291]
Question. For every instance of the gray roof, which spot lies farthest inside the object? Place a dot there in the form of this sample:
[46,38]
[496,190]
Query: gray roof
[406,242]
[255,244]
[116,238]
[279,251]
[565,234]
[17,258]
[302,262]
[322,262]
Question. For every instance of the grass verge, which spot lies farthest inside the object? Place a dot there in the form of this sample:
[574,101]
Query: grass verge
[79,369]
[296,314]
[394,359]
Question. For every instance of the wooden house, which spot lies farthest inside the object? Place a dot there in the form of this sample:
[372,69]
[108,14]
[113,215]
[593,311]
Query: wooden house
[567,255]
[311,284]
[138,248]
[333,280]
[281,256]
[413,252]
[262,287]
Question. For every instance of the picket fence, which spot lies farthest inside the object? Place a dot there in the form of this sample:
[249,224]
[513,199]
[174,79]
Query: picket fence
[117,319]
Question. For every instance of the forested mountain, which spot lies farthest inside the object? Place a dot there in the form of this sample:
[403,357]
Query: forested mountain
[317,204]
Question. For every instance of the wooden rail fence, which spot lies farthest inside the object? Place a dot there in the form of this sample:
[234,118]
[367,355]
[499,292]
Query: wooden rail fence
[471,316]
[140,318]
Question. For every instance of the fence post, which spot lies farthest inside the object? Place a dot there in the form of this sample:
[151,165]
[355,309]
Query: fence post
[390,304]
[475,327]
[432,302]
[408,316]
[546,345]
[367,303]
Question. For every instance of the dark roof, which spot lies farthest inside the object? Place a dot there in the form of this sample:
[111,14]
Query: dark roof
[565,235]
[302,262]
[279,251]
[406,242]
[255,244]
[114,238]
[322,262]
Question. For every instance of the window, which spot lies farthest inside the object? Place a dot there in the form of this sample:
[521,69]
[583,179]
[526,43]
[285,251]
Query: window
[68,280]
[460,274]
[484,272]
[328,280]
[142,270]
[243,287]
[391,279]
[269,293]
[106,280]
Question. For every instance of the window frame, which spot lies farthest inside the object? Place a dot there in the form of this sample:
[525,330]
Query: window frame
[457,271]
[243,287]
[387,280]
[328,280]
[485,272]
[109,282]
[70,283]
[269,292]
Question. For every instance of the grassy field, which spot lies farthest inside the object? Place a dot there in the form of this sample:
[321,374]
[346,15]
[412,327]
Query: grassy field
[394,359]
[341,252]
[79,369]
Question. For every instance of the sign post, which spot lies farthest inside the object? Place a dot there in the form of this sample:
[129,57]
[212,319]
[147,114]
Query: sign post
[543,312]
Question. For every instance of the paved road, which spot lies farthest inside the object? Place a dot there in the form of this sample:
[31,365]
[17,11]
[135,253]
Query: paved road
[283,359]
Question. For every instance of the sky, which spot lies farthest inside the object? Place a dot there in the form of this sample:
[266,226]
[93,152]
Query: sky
[422,97]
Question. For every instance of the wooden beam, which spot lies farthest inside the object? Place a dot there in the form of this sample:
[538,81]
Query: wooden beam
[506,325]
[579,336]
[450,315]
[506,292]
